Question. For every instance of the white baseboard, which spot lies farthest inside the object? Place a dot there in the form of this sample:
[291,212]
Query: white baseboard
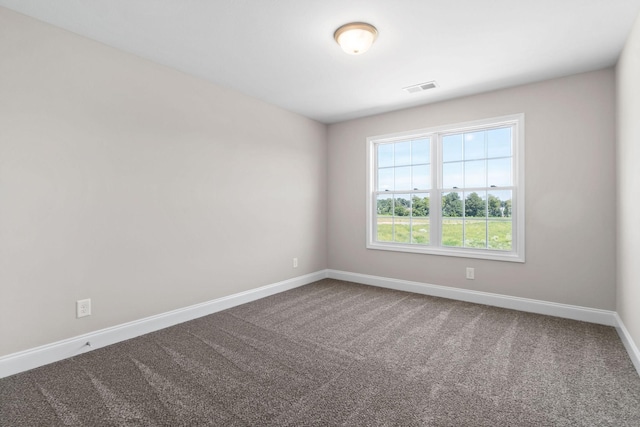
[23,361]
[585,314]
[592,315]
[632,349]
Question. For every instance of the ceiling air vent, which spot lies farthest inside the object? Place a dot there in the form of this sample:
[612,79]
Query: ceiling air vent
[420,87]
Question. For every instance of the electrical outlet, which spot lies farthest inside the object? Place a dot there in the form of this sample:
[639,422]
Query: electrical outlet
[295,263]
[83,308]
[471,273]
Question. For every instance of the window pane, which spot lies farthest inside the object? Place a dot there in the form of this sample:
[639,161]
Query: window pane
[474,145]
[499,142]
[500,234]
[452,232]
[452,175]
[500,204]
[475,204]
[421,179]
[385,229]
[475,233]
[420,205]
[403,178]
[401,230]
[500,172]
[384,205]
[385,179]
[402,205]
[475,174]
[402,218]
[452,204]
[420,151]
[402,153]
[384,225]
[420,231]
[385,155]
[496,204]
[500,226]
[452,148]
[420,219]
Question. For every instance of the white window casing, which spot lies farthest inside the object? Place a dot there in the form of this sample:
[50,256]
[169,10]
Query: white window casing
[426,236]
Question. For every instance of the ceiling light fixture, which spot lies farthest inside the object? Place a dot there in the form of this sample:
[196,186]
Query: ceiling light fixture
[355,38]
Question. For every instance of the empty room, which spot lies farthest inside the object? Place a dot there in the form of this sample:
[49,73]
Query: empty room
[295,213]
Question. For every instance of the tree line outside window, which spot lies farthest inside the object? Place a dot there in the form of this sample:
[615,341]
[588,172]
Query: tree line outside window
[453,205]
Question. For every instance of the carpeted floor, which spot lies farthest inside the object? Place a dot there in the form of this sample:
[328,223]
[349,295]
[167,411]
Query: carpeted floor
[337,353]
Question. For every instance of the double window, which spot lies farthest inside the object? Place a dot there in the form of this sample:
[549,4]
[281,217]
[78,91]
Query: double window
[454,190]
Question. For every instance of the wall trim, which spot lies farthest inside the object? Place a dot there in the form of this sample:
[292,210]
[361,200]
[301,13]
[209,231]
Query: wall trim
[32,358]
[574,312]
[39,356]
[625,336]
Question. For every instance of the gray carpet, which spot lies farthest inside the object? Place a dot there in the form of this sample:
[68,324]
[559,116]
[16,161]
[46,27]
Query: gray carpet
[337,353]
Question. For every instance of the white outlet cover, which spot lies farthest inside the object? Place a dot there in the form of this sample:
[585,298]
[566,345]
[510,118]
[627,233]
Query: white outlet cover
[83,308]
[471,273]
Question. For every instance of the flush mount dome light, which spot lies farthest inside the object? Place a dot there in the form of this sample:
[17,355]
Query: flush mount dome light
[355,38]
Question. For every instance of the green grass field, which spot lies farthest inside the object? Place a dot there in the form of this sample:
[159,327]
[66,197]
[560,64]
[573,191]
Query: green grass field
[456,232]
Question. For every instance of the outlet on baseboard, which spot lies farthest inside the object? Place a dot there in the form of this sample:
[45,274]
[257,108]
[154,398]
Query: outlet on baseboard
[83,308]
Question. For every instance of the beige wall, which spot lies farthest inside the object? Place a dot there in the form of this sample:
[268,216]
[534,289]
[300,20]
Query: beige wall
[570,196]
[628,175]
[140,187]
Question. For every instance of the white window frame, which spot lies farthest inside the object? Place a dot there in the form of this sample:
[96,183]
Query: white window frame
[517,254]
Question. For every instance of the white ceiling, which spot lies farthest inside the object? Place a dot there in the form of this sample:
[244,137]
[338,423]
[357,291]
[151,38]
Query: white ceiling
[283,52]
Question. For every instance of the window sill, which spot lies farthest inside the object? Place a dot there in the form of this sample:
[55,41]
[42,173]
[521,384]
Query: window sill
[493,255]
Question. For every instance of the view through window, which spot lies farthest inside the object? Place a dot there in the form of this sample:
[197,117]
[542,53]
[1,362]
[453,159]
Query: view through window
[450,191]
